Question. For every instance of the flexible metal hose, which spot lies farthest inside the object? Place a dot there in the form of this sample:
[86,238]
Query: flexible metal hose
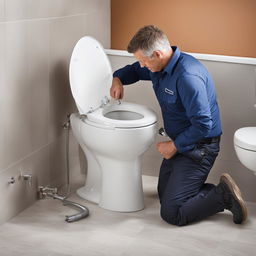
[67,128]
[84,211]
[43,192]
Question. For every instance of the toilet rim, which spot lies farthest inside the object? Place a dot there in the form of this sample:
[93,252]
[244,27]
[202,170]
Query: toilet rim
[246,149]
[98,117]
[245,138]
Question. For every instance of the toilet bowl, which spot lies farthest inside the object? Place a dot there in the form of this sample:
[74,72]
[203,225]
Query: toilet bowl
[113,135]
[245,147]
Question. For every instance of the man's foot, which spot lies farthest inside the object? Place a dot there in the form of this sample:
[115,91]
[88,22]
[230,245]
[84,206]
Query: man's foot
[233,200]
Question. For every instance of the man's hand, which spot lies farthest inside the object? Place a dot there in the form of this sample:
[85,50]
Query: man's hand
[117,89]
[167,149]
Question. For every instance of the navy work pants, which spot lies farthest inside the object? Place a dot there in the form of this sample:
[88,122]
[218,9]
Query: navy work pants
[184,195]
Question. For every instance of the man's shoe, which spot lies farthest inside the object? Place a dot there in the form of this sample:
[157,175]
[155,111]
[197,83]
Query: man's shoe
[233,200]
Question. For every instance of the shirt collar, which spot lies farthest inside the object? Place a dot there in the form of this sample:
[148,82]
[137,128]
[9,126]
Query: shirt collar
[176,54]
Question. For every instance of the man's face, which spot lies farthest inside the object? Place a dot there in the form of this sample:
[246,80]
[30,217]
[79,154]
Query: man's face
[152,63]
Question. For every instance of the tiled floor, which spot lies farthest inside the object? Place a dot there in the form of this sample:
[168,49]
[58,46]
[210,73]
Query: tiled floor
[41,230]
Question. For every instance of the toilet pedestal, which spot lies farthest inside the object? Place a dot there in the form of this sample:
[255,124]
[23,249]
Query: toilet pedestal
[122,186]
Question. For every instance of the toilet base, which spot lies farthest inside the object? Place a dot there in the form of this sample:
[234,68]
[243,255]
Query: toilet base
[121,189]
[89,194]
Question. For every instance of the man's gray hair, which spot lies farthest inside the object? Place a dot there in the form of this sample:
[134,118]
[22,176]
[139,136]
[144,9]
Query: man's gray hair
[149,39]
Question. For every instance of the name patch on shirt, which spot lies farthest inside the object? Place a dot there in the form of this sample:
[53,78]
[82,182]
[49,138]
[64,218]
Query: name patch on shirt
[169,91]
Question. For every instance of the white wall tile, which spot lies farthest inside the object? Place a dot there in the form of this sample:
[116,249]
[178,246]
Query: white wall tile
[57,161]
[16,10]
[18,196]
[38,79]
[31,9]
[17,114]
[2,10]
[39,8]
[64,33]
[60,8]
[97,25]
[2,84]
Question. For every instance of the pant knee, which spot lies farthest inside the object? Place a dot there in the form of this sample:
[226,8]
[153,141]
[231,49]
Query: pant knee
[170,214]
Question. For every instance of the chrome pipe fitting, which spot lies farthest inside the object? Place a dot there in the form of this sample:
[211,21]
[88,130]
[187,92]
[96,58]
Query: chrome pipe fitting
[44,192]
[66,125]
[162,132]
[27,178]
[11,181]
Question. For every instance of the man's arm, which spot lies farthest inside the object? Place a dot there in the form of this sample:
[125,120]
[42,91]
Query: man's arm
[127,75]
[132,73]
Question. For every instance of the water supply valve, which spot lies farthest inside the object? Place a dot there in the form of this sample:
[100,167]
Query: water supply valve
[44,192]
[27,178]
[162,132]
[11,181]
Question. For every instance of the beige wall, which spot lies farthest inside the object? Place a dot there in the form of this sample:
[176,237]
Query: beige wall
[224,27]
[36,41]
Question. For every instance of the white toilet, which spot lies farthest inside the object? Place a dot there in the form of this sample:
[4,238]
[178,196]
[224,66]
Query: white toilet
[245,147]
[113,136]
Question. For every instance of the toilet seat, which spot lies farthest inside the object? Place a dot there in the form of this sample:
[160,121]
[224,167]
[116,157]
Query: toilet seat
[144,116]
[90,80]
[90,75]
[246,138]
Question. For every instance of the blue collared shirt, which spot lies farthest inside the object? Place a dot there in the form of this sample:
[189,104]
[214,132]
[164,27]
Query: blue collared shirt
[187,97]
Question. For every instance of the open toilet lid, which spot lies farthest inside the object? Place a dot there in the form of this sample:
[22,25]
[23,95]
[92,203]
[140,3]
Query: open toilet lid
[90,75]
[246,138]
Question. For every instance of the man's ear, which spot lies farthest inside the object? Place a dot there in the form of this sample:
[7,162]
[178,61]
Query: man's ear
[158,54]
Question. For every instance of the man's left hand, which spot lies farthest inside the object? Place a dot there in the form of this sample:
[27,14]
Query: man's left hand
[167,149]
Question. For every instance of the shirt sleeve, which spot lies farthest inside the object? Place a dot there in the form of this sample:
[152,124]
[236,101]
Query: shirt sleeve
[132,73]
[194,98]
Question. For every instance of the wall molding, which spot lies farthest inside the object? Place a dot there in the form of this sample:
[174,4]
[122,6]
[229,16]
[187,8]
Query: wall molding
[200,56]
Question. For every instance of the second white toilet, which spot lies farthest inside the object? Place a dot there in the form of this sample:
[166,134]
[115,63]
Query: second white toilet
[245,147]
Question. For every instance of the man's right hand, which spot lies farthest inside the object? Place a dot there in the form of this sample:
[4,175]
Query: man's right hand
[117,89]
